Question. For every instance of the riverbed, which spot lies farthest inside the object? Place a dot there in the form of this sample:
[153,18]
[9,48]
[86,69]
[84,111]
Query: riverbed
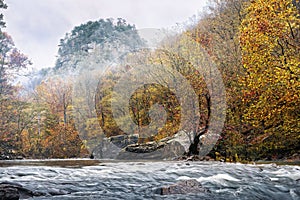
[95,179]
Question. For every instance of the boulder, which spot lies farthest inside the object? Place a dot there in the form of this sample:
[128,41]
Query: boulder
[182,187]
[15,191]
[105,150]
[109,148]
[145,148]
[122,141]
[9,193]
[152,151]
[12,191]
[55,192]
[126,147]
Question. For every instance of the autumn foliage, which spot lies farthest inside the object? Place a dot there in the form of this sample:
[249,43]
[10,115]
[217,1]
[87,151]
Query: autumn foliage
[254,44]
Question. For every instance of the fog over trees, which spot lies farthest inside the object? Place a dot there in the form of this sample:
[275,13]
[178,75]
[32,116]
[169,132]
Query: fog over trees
[65,111]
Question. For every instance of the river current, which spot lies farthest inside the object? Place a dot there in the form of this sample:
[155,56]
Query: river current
[140,180]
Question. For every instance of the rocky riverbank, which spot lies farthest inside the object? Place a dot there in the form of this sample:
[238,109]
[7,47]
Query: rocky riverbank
[124,147]
[7,152]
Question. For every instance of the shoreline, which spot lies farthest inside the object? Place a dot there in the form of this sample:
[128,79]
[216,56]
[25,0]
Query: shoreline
[279,162]
[81,162]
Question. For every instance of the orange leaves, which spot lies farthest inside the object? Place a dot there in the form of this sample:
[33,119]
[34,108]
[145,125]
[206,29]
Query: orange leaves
[57,95]
[47,129]
[62,142]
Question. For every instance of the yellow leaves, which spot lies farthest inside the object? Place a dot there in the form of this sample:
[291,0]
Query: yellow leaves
[270,60]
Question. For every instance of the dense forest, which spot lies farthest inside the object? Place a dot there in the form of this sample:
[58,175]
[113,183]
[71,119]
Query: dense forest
[254,44]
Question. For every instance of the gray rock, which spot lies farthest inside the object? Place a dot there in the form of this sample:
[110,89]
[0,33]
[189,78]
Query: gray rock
[10,190]
[122,141]
[106,150]
[54,192]
[145,148]
[110,147]
[126,147]
[9,193]
[183,187]
[195,158]
[152,151]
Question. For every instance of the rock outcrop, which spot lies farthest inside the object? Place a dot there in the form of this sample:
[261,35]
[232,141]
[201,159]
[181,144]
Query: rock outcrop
[110,147]
[152,150]
[126,147]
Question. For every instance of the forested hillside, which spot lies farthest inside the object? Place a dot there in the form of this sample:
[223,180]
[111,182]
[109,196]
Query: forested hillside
[256,45]
[97,42]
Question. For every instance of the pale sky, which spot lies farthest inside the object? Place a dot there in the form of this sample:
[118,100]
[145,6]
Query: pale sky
[36,26]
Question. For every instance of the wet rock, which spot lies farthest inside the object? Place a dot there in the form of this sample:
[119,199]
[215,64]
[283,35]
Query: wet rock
[182,187]
[19,157]
[194,158]
[11,191]
[54,192]
[181,158]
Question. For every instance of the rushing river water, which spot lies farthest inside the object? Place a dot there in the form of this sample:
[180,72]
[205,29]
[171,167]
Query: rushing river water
[139,180]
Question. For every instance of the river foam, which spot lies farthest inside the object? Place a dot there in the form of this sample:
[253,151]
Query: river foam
[139,180]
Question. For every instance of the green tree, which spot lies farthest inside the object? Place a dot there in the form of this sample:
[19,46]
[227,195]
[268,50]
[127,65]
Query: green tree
[94,43]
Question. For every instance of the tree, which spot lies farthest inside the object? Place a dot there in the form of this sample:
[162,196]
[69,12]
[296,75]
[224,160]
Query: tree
[11,59]
[12,108]
[270,41]
[84,53]
[83,106]
[2,6]
[57,95]
[218,33]
[57,137]
[170,68]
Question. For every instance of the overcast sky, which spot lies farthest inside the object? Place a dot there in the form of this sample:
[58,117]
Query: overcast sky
[37,25]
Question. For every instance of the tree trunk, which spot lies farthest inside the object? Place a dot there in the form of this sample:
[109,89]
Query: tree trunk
[193,149]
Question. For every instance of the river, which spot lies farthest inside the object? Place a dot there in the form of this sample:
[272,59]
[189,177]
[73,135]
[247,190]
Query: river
[139,180]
